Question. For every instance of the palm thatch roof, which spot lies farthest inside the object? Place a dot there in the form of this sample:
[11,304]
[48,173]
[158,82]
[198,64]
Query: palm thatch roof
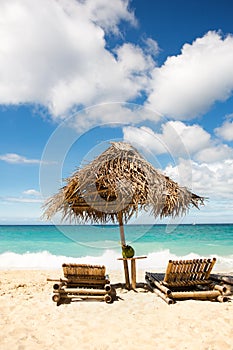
[119,180]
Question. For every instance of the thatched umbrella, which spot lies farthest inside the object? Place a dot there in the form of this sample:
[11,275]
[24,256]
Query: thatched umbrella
[115,186]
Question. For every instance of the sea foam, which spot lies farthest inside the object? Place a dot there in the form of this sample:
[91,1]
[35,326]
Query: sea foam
[155,261]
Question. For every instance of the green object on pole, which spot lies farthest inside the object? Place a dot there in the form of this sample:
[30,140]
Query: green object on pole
[127,251]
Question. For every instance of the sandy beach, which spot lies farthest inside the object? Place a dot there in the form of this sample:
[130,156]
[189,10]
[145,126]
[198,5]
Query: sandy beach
[137,320]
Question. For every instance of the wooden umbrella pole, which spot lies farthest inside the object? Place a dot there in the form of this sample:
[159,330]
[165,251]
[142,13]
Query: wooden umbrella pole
[125,262]
[122,233]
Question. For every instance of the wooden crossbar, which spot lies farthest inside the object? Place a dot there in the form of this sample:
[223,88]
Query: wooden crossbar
[73,280]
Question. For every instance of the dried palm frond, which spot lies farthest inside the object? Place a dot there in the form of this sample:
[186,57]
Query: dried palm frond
[119,180]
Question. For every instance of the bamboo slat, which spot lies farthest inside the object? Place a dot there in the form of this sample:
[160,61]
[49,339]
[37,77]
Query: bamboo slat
[107,298]
[56,298]
[82,296]
[188,272]
[219,278]
[212,294]
[222,289]
[83,291]
[56,286]
[222,298]
[228,280]
[57,279]
[73,280]
[186,283]
[210,267]
[163,296]
[108,288]
[83,269]
[164,289]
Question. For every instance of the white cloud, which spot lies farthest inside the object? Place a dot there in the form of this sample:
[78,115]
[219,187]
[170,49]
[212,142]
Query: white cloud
[225,131]
[145,137]
[132,60]
[28,196]
[107,14]
[14,158]
[213,180]
[54,53]
[17,159]
[110,113]
[208,169]
[193,138]
[176,138]
[23,200]
[214,154]
[32,192]
[152,47]
[188,84]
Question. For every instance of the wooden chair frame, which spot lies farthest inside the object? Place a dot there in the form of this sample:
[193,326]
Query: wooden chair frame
[186,279]
[82,281]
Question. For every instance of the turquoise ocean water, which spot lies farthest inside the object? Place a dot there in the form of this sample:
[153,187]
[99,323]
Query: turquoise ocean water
[47,247]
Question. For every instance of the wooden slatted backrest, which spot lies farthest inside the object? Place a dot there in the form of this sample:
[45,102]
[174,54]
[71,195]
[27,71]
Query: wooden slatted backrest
[83,270]
[188,272]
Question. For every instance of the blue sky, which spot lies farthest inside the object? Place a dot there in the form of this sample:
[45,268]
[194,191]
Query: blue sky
[75,75]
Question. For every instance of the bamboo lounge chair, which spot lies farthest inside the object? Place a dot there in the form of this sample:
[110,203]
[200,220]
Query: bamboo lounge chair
[82,281]
[186,279]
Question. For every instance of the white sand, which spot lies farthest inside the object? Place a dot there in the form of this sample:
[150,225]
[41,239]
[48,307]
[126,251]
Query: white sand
[138,320]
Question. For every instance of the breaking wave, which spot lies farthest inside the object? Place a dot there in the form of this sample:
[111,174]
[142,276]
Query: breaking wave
[155,261]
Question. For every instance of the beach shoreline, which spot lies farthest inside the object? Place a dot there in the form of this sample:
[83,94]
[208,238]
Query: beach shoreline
[137,320]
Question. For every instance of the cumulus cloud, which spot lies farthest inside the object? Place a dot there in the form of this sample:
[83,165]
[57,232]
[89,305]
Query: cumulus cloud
[107,14]
[132,60]
[193,137]
[189,83]
[54,53]
[214,153]
[146,137]
[151,46]
[110,113]
[200,162]
[213,180]
[209,169]
[225,131]
[175,138]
